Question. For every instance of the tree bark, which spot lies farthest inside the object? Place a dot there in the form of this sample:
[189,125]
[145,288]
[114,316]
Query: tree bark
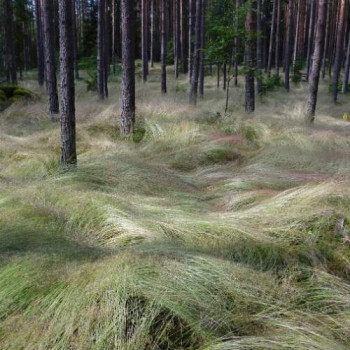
[39,43]
[191,27]
[277,49]
[201,53]
[338,50]
[273,19]
[163,46]
[287,50]
[259,47]
[316,61]
[347,68]
[152,15]
[75,38]
[196,54]
[100,50]
[50,59]
[249,76]
[128,61]
[310,39]
[144,39]
[113,38]
[68,143]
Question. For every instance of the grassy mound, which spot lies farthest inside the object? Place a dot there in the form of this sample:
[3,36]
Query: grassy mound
[210,231]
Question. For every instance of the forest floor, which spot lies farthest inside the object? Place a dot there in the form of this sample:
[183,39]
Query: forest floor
[215,231]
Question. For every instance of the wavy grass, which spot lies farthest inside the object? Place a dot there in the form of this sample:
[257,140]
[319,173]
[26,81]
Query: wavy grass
[216,231]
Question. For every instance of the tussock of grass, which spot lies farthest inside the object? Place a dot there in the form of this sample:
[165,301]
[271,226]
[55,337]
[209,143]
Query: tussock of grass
[208,231]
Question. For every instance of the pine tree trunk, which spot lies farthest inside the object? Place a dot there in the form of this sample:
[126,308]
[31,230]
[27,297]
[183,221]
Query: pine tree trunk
[68,145]
[152,14]
[329,8]
[10,49]
[277,49]
[113,38]
[272,34]
[201,53]
[39,43]
[338,50]
[192,22]
[100,50]
[50,58]
[144,39]
[259,47]
[184,35]
[106,46]
[75,38]
[249,63]
[128,61]
[196,54]
[310,40]
[287,50]
[347,68]
[163,45]
[316,60]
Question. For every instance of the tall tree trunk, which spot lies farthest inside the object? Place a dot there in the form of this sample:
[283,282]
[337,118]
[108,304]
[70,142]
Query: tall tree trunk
[128,61]
[316,60]
[324,65]
[106,47]
[68,143]
[249,62]
[10,49]
[339,50]
[272,34]
[287,50]
[201,53]
[184,35]
[75,38]
[144,39]
[237,43]
[152,15]
[347,68]
[100,50]
[310,40]
[277,49]
[176,33]
[113,38]
[39,43]
[191,30]
[196,54]
[163,45]
[50,58]
[259,46]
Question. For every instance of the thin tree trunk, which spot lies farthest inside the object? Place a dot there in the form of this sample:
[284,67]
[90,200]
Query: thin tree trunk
[100,50]
[310,40]
[75,38]
[192,21]
[201,54]
[152,33]
[68,143]
[39,42]
[316,60]
[163,46]
[339,50]
[106,46]
[196,54]
[326,41]
[113,38]
[50,59]
[259,47]
[184,35]
[277,49]
[249,76]
[128,61]
[272,34]
[176,37]
[144,39]
[347,68]
[218,70]
[224,75]
[288,46]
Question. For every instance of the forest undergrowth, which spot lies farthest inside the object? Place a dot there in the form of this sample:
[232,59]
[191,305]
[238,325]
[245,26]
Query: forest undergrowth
[207,230]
